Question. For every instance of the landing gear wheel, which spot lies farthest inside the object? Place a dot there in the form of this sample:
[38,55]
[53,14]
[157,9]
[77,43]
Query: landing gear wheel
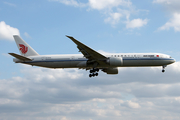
[163,68]
[93,72]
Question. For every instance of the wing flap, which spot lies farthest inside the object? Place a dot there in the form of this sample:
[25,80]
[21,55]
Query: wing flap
[20,57]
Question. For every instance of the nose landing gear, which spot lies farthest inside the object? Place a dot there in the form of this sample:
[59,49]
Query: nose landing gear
[163,68]
[94,72]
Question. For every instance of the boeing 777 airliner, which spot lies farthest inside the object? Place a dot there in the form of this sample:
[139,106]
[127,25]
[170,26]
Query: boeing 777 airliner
[89,59]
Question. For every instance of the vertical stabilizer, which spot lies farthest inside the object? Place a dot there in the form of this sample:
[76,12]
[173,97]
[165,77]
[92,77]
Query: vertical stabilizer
[23,47]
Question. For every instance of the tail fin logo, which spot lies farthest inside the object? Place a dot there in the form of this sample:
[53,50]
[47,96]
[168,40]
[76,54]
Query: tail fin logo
[23,48]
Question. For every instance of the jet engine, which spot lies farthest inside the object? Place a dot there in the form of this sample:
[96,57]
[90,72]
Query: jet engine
[115,61]
[110,70]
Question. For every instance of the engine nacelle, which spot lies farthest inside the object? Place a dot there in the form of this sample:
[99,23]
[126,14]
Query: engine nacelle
[115,61]
[110,70]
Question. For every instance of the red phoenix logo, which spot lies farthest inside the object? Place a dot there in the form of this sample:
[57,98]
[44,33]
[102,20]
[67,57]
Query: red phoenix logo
[23,48]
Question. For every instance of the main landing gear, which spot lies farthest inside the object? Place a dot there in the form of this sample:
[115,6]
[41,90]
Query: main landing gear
[163,68]
[94,72]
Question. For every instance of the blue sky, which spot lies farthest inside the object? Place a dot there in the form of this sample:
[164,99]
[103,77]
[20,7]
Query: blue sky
[128,26]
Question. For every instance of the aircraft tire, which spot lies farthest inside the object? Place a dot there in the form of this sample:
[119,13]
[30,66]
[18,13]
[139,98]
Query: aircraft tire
[96,74]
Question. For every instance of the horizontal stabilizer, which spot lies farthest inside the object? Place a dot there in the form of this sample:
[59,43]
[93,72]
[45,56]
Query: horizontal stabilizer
[20,57]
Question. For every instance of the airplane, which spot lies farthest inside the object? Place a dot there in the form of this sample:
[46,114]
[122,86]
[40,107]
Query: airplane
[89,59]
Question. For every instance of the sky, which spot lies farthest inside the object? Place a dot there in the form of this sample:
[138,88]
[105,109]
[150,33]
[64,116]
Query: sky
[112,26]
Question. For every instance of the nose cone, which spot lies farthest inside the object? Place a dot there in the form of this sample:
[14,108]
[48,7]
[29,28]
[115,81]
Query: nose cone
[172,60]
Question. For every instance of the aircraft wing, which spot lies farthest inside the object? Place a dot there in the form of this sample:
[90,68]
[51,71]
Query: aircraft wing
[89,53]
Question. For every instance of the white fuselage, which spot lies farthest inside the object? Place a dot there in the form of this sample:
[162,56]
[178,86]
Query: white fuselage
[79,61]
[89,59]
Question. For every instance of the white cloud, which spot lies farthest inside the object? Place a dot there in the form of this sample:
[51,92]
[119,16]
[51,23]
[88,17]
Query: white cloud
[42,93]
[10,4]
[64,118]
[96,4]
[6,55]
[7,32]
[113,18]
[113,11]
[9,101]
[27,35]
[131,104]
[108,4]
[174,22]
[136,23]
[163,1]
[172,6]
[71,3]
